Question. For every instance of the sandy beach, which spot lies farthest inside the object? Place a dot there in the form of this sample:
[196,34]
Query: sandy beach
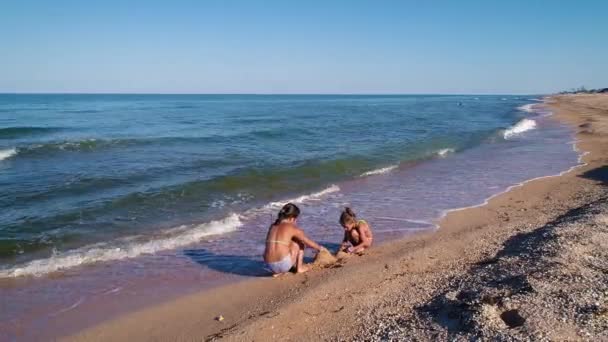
[529,264]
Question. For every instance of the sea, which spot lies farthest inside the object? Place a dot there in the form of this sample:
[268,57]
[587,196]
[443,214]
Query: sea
[110,202]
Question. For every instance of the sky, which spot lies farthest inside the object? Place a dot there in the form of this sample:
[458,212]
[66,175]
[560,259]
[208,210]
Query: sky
[354,47]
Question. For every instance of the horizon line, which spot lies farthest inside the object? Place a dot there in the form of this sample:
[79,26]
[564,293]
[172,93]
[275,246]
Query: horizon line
[266,94]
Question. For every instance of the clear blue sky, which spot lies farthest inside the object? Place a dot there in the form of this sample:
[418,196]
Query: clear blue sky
[303,46]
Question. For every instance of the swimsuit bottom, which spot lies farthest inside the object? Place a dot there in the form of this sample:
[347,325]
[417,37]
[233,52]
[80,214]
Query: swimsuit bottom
[281,266]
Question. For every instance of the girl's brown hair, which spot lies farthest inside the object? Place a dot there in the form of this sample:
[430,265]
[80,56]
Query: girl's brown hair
[288,211]
[348,216]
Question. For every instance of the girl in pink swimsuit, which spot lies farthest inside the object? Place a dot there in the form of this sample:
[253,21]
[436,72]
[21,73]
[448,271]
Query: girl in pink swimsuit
[357,233]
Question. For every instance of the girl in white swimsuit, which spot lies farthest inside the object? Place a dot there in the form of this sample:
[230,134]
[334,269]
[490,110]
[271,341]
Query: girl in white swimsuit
[285,243]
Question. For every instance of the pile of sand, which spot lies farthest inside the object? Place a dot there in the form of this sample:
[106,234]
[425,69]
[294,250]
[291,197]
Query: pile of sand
[342,255]
[324,258]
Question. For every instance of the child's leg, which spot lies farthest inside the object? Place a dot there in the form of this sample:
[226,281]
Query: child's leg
[355,239]
[300,267]
[294,249]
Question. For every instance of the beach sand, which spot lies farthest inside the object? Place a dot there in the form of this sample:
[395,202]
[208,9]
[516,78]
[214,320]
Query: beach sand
[532,263]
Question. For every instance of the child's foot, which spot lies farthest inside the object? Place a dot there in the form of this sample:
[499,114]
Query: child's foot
[303,269]
[276,275]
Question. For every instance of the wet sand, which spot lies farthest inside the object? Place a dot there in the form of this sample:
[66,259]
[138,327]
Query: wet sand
[416,288]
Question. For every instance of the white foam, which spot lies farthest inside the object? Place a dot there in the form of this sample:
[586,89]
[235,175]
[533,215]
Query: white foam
[123,248]
[379,171]
[311,197]
[4,154]
[445,151]
[520,127]
[528,108]
[389,218]
[487,200]
[581,163]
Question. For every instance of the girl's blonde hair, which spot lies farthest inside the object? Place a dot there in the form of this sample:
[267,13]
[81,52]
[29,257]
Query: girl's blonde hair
[348,216]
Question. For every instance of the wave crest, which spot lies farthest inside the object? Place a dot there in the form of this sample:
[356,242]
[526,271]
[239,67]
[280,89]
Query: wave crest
[67,146]
[310,197]
[74,146]
[520,127]
[16,132]
[528,108]
[379,171]
[445,151]
[4,154]
[125,248]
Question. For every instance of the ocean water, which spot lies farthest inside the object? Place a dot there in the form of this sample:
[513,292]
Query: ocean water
[130,188]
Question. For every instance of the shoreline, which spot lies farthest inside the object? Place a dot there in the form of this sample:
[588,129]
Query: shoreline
[508,189]
[322,301]
[163,237]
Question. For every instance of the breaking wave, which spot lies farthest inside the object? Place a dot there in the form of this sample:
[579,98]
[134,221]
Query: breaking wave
[4,154]
[134,246]
[124,248]
[520,127]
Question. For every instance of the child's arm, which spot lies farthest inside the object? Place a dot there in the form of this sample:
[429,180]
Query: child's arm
[365,238]
[344,242]
[299,235]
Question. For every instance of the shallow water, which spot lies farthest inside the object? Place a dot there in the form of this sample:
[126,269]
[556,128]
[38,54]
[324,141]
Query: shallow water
[161,195]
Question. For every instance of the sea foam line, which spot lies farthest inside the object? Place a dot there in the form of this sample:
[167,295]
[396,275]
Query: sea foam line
[379,171]
[528,108]
[310,197]
[4,154]
[389,218]
[99,253]
[71,307]
[487,200]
